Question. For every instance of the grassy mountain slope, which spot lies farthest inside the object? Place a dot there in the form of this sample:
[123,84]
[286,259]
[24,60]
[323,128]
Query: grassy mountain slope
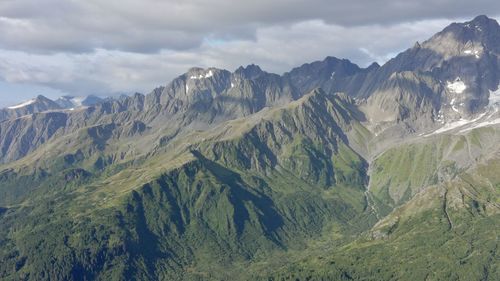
[194,210]
[446,228]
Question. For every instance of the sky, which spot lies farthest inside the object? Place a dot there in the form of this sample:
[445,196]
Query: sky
[83,47]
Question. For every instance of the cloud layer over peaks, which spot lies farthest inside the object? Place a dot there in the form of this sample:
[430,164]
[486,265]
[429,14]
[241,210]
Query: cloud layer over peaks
[115,46]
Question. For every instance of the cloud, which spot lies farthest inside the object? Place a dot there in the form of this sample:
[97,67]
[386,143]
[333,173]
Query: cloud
[117,46]
[153,25]
[276,48]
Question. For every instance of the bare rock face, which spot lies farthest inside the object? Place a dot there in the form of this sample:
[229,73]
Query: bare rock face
[463,59]
[331,74]
[405,96]
[22,135]
[469,65]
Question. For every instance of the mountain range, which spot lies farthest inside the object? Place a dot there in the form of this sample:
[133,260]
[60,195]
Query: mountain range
[44,104]
[330,171]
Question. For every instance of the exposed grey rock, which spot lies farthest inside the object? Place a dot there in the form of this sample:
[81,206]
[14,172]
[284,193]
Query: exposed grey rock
[23,135]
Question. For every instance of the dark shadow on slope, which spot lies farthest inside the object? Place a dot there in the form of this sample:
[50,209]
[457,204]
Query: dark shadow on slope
[269,218]
[147,244]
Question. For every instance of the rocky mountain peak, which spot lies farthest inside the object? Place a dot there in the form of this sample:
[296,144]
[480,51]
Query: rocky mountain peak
[468,51]
[42,98]
[483,23]
[479,25]
[472,38]
[39,102]
[250,72]
[200,73]
[326,67]
[373,66]
[197,78]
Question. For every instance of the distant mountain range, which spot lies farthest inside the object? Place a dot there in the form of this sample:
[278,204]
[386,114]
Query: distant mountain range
[44,104]
[327,172]
[75,102]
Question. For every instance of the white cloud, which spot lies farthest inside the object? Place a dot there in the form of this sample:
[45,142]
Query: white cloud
[114,46]
[276,48]
[152,25]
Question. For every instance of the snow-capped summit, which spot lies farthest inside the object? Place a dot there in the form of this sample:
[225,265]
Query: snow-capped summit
[23,104]
[42,104]
[75,102]
[38,104]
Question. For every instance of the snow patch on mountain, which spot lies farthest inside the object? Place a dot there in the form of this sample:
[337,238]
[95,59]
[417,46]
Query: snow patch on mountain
[482,124]
[440,117]
[26,103]
[451,126]
[472,53]
[457,86]
[454,125]
[453,107]
[209,74]
[494,96]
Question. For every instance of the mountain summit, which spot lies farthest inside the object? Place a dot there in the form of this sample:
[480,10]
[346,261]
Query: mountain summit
[38,104]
